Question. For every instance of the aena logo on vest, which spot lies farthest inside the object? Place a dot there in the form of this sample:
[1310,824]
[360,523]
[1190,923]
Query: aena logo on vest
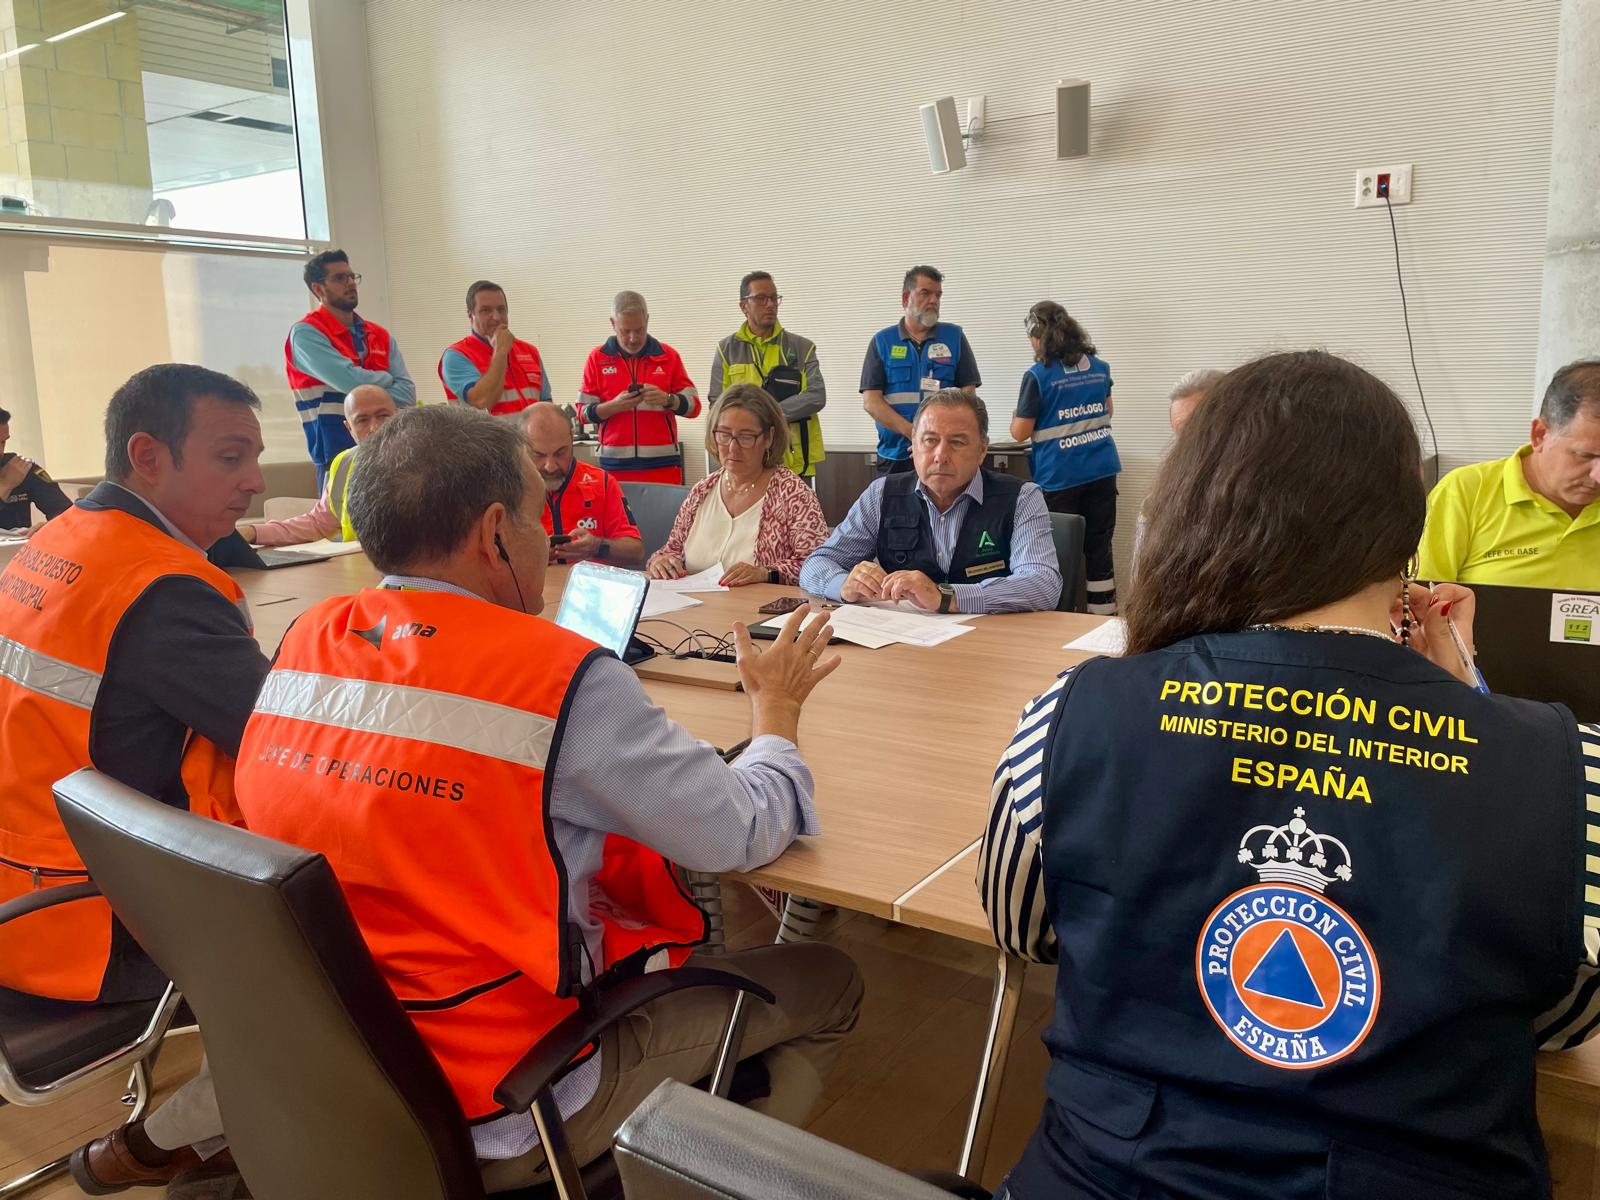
[374,636]
[1289,977]
[985,542]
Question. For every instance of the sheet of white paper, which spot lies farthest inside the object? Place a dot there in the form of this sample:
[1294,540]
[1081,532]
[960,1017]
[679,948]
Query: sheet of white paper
[325,546]
[703,581]
[875,627]
[659,604]
[860,635]
[1110,638]
[905,606]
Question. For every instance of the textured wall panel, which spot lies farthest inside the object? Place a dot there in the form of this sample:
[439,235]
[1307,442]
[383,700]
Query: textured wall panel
[569,149]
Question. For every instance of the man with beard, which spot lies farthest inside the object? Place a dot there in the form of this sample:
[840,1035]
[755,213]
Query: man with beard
[331,351]
[910,360]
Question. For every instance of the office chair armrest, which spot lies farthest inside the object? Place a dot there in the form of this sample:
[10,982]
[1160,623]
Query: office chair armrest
[551,1057]
[46,898]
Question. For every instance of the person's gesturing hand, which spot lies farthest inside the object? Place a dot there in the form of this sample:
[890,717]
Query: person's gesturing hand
[779,679]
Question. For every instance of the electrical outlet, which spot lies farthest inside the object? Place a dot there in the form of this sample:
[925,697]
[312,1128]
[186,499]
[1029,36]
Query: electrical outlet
[1373,182]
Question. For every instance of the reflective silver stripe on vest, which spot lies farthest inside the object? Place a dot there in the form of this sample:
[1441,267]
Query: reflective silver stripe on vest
[48,676]
[627,450]
[438,718]
[1062,431]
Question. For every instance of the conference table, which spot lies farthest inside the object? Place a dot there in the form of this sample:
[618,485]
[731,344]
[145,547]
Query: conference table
[902,742]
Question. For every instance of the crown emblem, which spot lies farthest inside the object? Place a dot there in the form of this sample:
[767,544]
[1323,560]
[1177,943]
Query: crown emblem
[1295,853]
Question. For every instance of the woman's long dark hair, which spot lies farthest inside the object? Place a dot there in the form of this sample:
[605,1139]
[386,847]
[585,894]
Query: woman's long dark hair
[1297,483]
[1061,338]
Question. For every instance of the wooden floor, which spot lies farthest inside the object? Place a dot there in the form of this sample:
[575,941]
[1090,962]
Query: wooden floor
[900,1092]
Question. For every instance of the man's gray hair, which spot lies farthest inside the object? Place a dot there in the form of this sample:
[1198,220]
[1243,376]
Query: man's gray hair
[1201,380]
[426,478]
[628,302]
[955,398]
[1574,385]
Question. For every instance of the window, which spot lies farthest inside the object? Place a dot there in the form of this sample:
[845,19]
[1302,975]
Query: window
[156,113]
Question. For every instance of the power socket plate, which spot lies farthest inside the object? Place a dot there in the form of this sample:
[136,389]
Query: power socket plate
[1367,181]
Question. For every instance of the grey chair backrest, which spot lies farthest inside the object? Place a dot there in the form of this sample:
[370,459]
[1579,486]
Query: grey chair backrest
[1066,530]
[655,507]
[326,1090]
[684,1144]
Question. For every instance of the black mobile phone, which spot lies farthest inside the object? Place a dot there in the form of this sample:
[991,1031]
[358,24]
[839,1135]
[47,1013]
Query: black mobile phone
[560,539]
[782,606]
[635,387]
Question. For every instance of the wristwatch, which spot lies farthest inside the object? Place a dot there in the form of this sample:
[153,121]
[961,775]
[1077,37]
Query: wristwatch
[602,550]
[947,596]
[773,576]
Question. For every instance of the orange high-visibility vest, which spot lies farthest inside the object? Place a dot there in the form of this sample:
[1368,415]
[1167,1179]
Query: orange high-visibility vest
[407,736]
[524,379]
[62,597]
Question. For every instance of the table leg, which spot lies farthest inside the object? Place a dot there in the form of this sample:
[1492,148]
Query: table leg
[992,1068]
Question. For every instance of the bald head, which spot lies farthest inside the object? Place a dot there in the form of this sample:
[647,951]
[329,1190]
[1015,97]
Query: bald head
[548,432]
[365,409]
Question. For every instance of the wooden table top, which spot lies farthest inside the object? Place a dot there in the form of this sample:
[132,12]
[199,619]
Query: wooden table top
[902,741]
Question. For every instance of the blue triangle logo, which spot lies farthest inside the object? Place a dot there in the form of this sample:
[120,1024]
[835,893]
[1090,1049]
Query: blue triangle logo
[1282,974]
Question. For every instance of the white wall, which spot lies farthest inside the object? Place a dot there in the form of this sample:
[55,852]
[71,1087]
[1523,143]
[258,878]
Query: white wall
[569,148]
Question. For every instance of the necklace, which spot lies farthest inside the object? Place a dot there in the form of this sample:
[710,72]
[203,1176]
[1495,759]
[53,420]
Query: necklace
[735,491]
[1356,629]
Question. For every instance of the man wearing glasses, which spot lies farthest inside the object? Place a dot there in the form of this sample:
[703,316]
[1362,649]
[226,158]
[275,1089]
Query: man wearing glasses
[911,360]
[780,362]
[330,352]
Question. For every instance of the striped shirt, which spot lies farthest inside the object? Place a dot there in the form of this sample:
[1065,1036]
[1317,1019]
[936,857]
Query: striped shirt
[1011,868]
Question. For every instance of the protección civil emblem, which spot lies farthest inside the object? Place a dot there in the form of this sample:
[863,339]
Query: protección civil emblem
[1288,975]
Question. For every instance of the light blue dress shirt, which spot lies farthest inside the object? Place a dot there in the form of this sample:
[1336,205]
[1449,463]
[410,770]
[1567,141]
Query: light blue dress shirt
[1034,584]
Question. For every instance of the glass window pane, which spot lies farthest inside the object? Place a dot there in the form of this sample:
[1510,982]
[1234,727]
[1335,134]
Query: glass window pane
[163,112]
[77,319]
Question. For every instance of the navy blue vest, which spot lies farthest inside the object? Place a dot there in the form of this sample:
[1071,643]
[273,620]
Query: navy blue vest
[1312,894]
[905,366]
[983,547]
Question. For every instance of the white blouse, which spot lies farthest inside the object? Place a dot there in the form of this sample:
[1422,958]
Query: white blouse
[715,538]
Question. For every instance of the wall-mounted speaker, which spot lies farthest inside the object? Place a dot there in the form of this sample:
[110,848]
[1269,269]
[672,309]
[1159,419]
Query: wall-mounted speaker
[1072,118]
[942,129]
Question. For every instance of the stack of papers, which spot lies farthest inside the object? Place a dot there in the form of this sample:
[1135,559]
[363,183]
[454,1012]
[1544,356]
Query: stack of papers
[1110,638]
[877,625]
[702,581]
[325,546]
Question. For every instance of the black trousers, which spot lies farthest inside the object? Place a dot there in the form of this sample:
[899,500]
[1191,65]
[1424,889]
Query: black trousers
[895,466]
[1096,503]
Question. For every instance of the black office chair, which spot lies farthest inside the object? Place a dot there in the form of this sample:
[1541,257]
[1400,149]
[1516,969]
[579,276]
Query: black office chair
[655,507]
[325,1087]
[51,1049]
[681,1144]
[1066,530]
